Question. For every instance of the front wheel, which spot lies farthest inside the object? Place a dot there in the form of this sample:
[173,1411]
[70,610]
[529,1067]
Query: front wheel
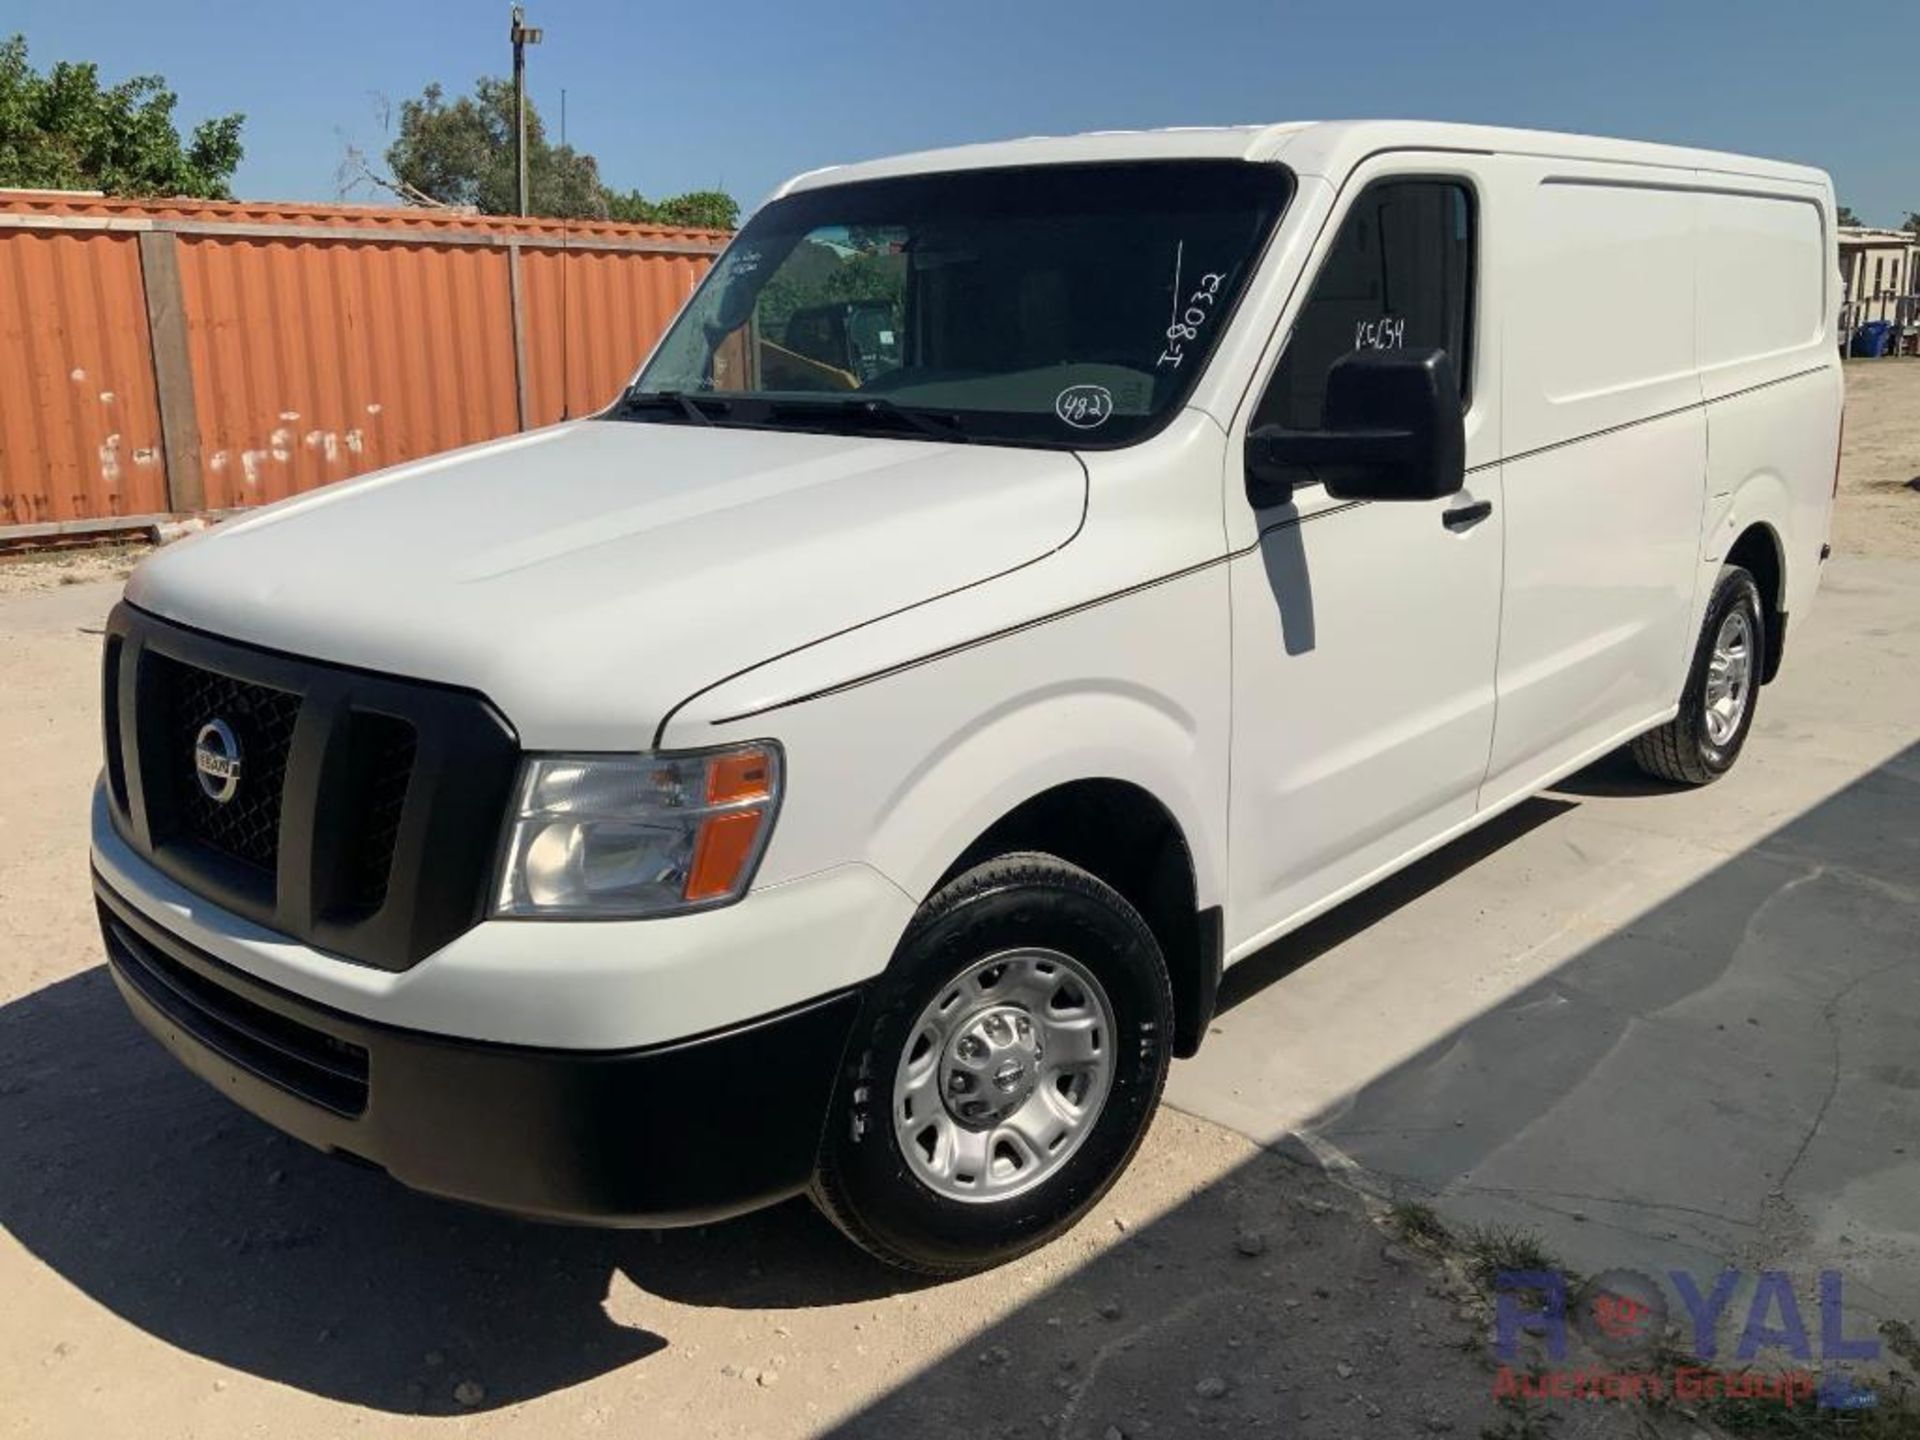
[1700,744]
[1003,1072]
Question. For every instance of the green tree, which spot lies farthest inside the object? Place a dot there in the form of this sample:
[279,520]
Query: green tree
[63,131]
[1844,215]
[460,152]
[1913,223]
[702,209]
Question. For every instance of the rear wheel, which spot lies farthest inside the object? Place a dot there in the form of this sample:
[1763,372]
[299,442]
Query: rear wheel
[1700,744]
[1003,1072]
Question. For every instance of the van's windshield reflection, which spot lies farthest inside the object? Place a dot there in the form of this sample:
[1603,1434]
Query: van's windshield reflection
[1052,305]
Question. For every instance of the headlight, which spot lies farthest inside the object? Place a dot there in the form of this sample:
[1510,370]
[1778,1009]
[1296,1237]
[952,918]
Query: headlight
[613,836]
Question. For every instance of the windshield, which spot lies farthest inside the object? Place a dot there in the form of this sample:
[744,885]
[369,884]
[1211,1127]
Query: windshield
[1054,305]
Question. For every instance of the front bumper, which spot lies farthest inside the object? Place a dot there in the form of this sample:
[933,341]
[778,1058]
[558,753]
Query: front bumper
[560,984]
[668,1134]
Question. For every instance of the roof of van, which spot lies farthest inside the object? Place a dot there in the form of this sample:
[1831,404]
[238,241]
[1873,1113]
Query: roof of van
[1327,147]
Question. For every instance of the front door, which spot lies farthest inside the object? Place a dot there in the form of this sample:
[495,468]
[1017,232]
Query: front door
[1364,634]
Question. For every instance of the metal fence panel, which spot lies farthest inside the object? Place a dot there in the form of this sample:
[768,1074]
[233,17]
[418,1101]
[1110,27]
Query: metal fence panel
[184,355]
[79,422]
[592,315]
[317,360]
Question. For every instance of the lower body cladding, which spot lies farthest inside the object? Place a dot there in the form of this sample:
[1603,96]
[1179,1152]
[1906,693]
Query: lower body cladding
[676,1133]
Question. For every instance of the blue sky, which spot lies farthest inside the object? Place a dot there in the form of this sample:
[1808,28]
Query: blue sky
[674,96]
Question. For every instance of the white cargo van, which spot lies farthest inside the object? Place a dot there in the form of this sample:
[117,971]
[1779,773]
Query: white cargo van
[1025,580]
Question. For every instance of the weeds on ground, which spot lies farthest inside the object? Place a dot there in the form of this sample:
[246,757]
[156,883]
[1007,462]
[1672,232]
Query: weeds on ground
[55,555]
[1491,1249]
[1419,1225]
[1893,1417]
[1522,1421]
[1902,1341]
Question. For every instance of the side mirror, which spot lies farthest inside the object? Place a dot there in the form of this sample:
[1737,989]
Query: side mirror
[1391,429]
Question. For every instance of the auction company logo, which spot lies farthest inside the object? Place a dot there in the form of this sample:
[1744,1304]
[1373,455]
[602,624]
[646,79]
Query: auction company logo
[1624,1317]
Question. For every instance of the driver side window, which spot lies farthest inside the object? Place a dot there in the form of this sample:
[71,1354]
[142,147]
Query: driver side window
[1399,277]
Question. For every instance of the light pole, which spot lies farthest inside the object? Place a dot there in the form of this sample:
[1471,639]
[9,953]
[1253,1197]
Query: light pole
[522,36]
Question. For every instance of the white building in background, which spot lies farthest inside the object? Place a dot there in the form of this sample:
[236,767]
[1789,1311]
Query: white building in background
[1880,275]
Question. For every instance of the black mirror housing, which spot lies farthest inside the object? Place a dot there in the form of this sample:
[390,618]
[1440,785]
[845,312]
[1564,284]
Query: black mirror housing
[1416,392]
[1392,429]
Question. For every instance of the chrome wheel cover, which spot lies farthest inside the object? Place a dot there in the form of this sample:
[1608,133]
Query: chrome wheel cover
[1004,1075]
[1729,678]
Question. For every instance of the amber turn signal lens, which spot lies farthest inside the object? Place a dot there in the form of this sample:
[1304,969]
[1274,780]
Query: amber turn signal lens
[741,775]
[725,843]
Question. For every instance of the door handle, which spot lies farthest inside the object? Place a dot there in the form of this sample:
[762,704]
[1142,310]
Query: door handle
[1465,517]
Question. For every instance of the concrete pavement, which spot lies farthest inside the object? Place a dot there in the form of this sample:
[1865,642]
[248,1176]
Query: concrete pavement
[1664,1029]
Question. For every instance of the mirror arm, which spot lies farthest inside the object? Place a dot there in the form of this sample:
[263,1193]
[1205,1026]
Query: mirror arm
[1323,447]
[1270,479]
[1269,486]
[1279,460]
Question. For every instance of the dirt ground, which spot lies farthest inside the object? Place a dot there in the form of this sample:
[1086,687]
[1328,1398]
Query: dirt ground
[1879,510]
[171,1267]
[33,571]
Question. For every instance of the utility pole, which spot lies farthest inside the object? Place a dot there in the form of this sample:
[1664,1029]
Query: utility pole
[522,36]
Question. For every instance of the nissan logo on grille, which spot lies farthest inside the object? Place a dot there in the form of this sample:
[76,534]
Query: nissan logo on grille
[216,761]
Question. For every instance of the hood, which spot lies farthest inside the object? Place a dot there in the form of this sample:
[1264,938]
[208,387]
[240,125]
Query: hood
[589,577]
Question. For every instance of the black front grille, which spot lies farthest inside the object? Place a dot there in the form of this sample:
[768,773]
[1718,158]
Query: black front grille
[299,1059]
[110,720]
[379,766]
[367,807]
[247,827]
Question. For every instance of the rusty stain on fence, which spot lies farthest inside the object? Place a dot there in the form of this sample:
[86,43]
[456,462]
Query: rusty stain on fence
[320,342]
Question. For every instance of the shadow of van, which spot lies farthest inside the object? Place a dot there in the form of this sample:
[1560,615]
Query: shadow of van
[162,1201]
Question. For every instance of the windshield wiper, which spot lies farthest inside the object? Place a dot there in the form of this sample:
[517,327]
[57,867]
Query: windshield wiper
[873,407]
[753,409]
[674,400]
[927,422]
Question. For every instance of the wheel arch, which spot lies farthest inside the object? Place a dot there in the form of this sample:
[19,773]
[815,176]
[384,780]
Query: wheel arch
[1121,833]
[1758,551]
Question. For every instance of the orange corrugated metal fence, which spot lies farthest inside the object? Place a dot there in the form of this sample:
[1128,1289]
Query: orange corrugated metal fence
[177,356]
[313,361]
[79,421]
[591,319]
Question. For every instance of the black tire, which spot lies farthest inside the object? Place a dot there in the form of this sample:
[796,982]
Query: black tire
[1681,751]
[863,1182]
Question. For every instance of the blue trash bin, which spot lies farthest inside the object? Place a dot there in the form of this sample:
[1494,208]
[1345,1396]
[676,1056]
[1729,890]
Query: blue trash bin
[1870,340]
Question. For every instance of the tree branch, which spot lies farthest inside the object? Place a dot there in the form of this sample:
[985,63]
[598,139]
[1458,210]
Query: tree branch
[354,169]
